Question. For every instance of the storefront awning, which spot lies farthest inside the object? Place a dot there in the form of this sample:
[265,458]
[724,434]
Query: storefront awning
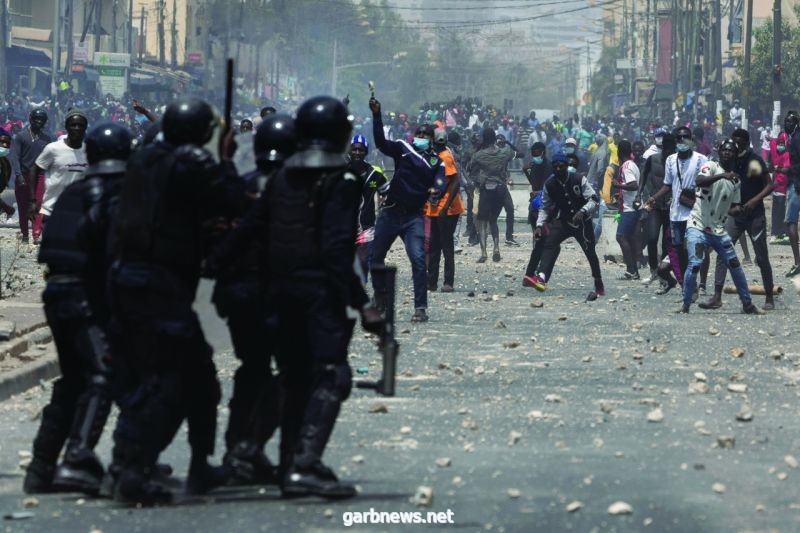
[22,56]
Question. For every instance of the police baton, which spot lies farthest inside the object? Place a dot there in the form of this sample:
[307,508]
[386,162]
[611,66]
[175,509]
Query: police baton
[228,94]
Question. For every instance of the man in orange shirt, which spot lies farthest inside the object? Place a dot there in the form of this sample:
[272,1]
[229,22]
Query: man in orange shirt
[444,214]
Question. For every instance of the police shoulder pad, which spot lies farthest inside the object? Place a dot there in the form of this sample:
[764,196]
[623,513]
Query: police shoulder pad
[194,154]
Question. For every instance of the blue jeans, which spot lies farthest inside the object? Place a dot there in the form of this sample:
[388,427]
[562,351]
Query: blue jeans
[597,221]
[698,242]
[678,229]
[792,205]
[396,222]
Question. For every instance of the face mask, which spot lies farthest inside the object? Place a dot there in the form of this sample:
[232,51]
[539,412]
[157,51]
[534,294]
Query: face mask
[538,160]
[3,151]
[659,141]
[569,150]
[684,147]
[781,148]
[421,144]
[571,170]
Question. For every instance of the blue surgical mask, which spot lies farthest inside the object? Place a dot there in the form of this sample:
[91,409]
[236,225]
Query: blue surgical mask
[684,147]
[3,151]
[538,160]
[421,144]
[781,148]
[569,150]
[571,170]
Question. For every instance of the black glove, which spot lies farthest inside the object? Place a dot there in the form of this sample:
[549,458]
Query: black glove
[578,217]
[372,319]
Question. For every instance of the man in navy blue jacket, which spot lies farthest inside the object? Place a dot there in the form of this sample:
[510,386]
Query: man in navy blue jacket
[418,175]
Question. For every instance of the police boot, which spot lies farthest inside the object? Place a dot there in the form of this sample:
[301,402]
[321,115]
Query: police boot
[46,446]
[134,483]
[315,480]
[203,477]
[307,476]
[136,488]
[81,470]
[39,477]
[249,465]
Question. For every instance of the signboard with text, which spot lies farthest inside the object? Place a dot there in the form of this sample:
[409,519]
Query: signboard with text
[111,69]
[108,59]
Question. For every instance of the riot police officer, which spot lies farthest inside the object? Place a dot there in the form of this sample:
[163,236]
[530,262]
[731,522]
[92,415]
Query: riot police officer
[171,190]
[240,298]
[73,249]
[307,220]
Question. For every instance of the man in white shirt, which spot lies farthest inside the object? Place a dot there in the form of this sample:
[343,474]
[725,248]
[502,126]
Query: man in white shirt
[628,228]
[681,171]
[63,162]
[735,114]
[718,196]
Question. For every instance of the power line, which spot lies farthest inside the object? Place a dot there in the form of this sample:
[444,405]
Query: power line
[528,5]
[444,25]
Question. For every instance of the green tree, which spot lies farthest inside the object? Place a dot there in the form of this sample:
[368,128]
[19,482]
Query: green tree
[603,85]
[761,69]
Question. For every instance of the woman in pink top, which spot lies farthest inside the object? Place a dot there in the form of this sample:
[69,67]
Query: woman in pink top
[779,163]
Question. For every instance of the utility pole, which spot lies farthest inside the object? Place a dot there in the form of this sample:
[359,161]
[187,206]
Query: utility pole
[56,59]
[777,38]
[98,29]
[748,44]
[333,69]
[174,42]
[717,50]
[161,44]
[69,38]
[130,29]
[142,40]
[114,26]
[3,45]
[241,33]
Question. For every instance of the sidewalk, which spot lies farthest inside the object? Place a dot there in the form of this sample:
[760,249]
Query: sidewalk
[24,358]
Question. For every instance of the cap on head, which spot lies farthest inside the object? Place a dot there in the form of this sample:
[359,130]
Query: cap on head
[360,139]
[75,113]
[40,114]
[571,141]
[558,157]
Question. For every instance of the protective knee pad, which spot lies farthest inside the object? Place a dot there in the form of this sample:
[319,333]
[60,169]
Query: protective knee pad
[734,263]
[334,379]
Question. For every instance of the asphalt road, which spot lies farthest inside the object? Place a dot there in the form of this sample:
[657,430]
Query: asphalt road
[527,410]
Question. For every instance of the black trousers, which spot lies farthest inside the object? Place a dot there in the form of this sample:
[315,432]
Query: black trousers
[756,228]
[561,231]
[442,230]
[313,335]
[508,206]
[170,375]
[656,222]
[85,373]
[254,407]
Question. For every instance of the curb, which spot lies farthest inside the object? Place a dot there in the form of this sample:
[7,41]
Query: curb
[31,374]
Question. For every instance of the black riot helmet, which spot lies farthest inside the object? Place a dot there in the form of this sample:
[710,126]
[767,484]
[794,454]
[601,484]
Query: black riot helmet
[188,121]
[323,123]
[108,141]
[275,141]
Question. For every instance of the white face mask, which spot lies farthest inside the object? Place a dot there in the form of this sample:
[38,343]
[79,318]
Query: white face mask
[4,151]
